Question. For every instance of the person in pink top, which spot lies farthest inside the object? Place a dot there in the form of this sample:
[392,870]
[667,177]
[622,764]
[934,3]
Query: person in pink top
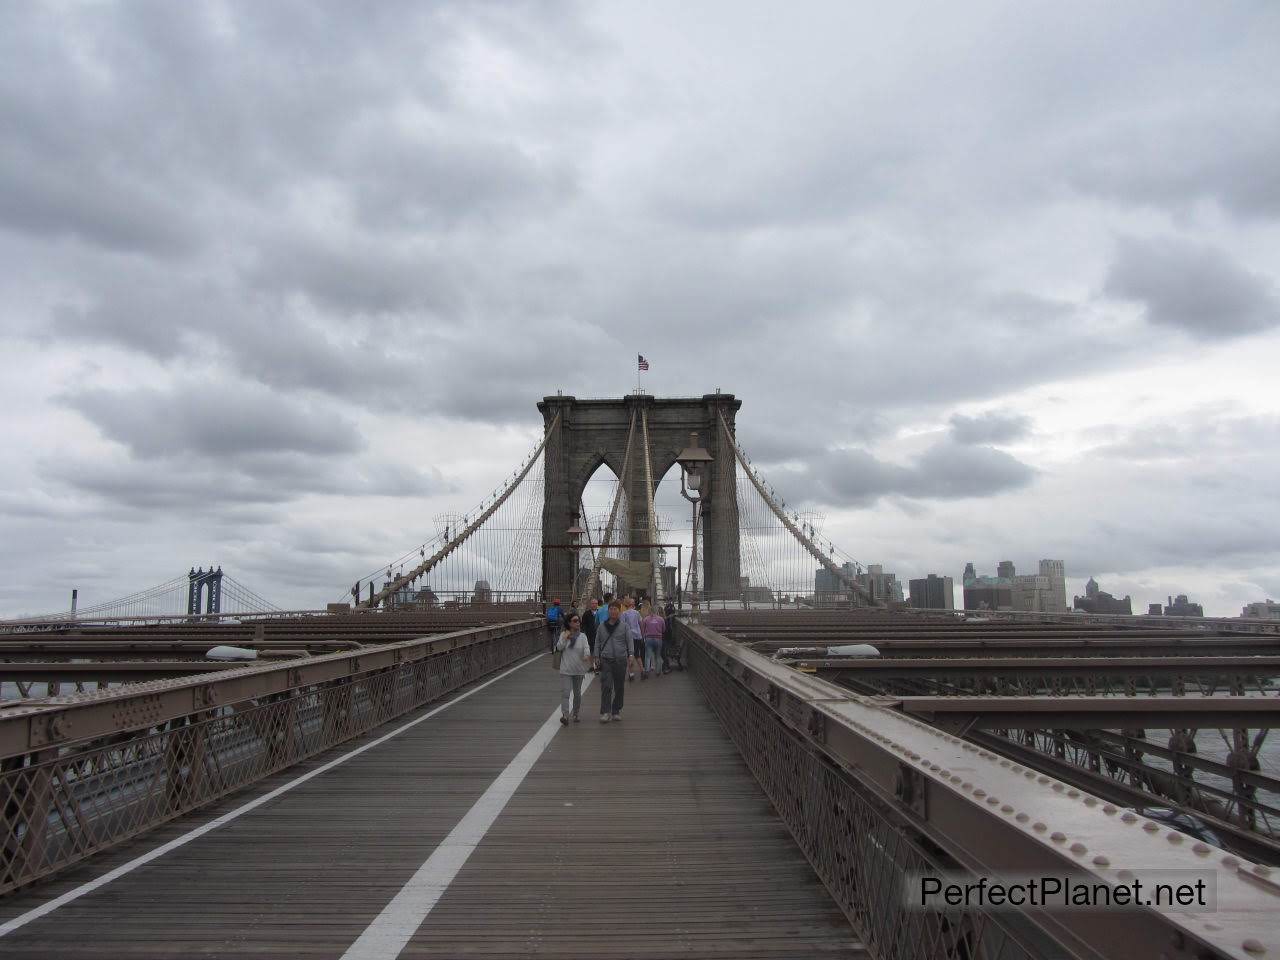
[652,627]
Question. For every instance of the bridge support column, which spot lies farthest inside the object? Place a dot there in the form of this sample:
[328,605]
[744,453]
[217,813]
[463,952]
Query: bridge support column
[592,432]
[722,562]
[560,501]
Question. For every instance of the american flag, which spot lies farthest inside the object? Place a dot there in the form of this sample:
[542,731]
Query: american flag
[644,364]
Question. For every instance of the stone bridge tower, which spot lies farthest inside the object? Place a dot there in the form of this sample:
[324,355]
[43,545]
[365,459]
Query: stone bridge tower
[592,432]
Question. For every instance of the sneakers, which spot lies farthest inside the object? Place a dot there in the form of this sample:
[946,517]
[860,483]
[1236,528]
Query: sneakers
[564,721]
[631,676]
[604,718]
[617,718]
[576,719]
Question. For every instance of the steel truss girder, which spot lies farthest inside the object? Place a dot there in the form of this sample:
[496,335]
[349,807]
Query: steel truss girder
[992,815]
[961,713]
[61,721]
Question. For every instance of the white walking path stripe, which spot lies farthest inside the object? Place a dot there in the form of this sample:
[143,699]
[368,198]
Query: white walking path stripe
[392,929]
[75,894]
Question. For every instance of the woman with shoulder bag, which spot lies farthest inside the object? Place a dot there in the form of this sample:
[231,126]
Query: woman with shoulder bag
[573,659]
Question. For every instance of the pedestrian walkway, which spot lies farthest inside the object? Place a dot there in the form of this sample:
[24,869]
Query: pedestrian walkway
[646,838]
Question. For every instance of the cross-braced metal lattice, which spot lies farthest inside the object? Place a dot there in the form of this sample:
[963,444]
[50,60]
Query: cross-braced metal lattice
[59,806]
[858,846]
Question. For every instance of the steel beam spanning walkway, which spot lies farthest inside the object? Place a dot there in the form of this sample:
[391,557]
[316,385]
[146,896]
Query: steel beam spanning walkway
[420,798]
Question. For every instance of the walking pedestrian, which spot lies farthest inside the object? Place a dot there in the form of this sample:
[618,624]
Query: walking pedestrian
[613,645]
[652,628]
[575,657]
[589,620]
[553,623]
[667,613]
[631,618]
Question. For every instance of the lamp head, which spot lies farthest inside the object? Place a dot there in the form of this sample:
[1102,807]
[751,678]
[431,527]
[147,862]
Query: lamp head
[692,458]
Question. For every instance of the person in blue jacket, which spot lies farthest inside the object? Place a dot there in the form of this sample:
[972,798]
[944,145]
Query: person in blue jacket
[553,623]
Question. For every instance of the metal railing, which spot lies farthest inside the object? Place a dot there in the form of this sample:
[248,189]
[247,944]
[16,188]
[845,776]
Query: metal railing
[873,797]
[80,774]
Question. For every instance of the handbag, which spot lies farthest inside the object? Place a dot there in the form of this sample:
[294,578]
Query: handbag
[555,659]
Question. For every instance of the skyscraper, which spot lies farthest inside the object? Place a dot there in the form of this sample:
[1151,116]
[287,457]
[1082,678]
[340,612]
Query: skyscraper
[1056,571]
[933,593]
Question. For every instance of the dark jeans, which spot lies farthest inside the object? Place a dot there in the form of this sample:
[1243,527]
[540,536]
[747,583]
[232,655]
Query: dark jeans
[613,684]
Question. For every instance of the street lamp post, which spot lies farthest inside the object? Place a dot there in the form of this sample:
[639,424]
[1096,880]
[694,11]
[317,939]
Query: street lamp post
[692,459]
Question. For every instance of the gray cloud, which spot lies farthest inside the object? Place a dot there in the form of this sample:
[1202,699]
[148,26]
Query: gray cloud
[215,420]
[1192,287]
[989,427]
[248,490]
[945,471]
[1173,159]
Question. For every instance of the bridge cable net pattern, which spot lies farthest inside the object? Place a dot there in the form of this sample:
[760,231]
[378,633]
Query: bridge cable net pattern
[492,554]
[780,550]
[653,533]
[609,561]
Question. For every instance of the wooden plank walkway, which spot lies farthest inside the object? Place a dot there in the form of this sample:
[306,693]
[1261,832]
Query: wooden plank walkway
[646,838]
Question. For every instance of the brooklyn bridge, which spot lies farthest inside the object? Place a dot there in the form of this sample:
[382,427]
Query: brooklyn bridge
[388,776]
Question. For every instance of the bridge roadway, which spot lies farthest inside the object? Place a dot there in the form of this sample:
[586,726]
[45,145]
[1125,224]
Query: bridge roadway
[647,838]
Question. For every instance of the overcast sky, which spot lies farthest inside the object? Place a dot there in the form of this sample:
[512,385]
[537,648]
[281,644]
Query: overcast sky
[282,281]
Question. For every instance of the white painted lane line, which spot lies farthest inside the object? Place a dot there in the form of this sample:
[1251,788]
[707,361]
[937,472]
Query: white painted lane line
[392,929]
[75,894]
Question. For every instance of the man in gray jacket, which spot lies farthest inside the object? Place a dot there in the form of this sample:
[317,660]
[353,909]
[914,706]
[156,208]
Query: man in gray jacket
[612,648]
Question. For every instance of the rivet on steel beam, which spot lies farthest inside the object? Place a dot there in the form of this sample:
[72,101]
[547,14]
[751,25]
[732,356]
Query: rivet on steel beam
[1253,946]
[1029,774]
[1058,837]
[1175,837]
[993,800]
[1057,787]
[1212,927]
[1073,794]
[1150,827]
[1039,827]
[1125,874]
[1101,861]
[1090,801]
[1079,848]
[1022,818]
[1109,808]
[979,792]
[1128,817]
[1262,870]
[1006,809]
[1231,863]
[967,785]
[1201,850]
[1042,779]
